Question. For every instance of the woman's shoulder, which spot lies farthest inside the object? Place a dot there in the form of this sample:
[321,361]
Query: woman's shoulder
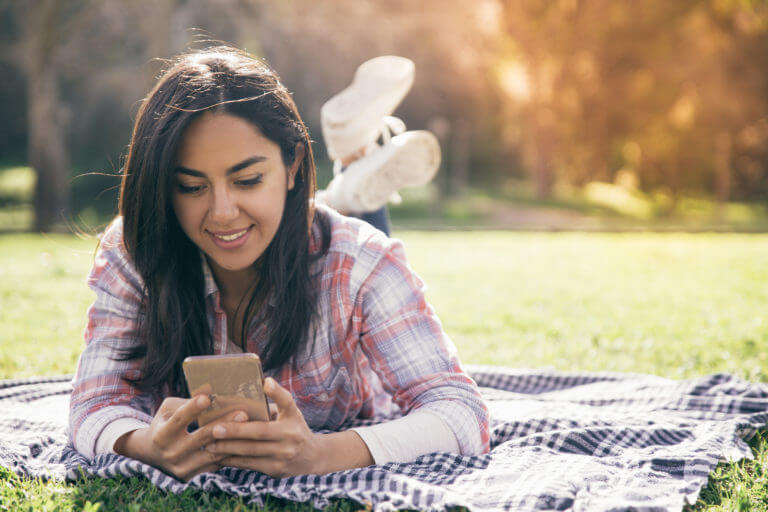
[112,258]
[357,251]
[112,236]
[111,243]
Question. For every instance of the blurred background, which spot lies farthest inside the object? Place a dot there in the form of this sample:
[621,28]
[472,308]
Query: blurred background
[552,114]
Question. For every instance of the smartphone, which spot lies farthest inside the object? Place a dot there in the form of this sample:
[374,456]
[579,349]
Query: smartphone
[234,382]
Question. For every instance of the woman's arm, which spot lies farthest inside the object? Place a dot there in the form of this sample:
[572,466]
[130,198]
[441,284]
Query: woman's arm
[411,354]
[107,413]
[404,439]
[101,396]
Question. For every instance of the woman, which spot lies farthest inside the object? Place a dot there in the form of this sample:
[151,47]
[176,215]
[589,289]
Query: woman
[219,249]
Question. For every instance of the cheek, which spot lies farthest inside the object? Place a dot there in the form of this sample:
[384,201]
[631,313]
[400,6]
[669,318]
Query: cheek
[270,204]
[186,213]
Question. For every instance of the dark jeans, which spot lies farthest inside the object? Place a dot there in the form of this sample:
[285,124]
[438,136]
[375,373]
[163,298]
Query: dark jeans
[378,219]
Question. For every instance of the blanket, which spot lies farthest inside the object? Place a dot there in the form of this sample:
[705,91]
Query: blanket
[560,441]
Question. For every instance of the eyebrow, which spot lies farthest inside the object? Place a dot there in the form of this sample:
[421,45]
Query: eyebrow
[232,170]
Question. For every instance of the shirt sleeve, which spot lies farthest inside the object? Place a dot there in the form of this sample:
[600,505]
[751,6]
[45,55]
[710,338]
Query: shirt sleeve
[404,439]
[411,354]
[101,395]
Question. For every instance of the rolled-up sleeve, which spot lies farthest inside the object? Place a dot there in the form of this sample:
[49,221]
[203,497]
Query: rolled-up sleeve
[413,357]
[101,394]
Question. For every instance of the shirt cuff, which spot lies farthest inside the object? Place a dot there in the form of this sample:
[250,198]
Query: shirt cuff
[404,439]
[112,432]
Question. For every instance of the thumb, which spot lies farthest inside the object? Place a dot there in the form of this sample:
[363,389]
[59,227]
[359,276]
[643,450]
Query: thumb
[281,396]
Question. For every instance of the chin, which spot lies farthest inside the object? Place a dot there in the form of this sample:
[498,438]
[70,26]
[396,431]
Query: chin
[235,267]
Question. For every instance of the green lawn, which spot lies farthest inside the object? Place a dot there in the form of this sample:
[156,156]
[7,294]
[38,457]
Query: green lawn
[674,305]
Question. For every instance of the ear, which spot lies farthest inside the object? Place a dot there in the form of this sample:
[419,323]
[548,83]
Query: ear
[298,157]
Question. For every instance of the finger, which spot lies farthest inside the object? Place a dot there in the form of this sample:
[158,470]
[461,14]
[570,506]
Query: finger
[169,406]
[205,389]
[196,461]
[281,396]
[212,468]
[246,448]
[265,465]
[251,430]
[198,439]
[188,471]
[272,412]
[177,423]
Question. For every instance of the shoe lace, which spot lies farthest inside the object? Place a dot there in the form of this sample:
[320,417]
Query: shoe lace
[390,125]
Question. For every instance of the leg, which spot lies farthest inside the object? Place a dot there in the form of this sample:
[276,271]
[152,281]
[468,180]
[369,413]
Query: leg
[368,175]
[378,219]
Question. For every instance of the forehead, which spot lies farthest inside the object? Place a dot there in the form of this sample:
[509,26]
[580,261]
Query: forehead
[215,141]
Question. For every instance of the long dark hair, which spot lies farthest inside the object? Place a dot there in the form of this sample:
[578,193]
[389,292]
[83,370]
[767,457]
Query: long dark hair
[173,323]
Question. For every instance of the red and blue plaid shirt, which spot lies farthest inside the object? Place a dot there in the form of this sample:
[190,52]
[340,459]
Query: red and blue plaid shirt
[379,347]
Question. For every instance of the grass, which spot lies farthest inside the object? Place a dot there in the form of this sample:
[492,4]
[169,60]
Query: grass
[669,304]
[16,188]
[127,494]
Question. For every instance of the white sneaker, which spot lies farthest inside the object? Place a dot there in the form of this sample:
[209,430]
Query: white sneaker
[352,119]
[407,160]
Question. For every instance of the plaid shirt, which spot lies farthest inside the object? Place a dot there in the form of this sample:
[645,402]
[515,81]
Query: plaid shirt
[379,348]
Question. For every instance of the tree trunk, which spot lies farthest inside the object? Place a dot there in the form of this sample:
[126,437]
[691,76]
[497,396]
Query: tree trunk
[48,153]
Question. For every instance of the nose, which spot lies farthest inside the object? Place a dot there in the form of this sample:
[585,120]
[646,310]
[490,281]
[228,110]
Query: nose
[223,208]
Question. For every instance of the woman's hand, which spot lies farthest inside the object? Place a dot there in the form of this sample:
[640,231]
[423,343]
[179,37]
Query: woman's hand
[282,447]
[167,445]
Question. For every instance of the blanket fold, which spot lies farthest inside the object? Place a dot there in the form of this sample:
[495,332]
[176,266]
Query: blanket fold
[560,441]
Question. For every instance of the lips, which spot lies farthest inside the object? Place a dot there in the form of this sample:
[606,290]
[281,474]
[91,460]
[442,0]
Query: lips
[230,239]
[231,235]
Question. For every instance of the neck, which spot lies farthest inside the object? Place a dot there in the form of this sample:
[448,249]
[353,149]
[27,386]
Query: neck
[234,284]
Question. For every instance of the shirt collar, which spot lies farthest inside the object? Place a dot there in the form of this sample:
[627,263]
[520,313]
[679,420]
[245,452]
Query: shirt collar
[210,283]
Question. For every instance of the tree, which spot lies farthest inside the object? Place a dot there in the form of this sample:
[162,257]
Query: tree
[673,80]
[47,148]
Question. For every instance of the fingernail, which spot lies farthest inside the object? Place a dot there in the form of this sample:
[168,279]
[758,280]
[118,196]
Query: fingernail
[269,384]
[201,401]
[219,431]
[240,416]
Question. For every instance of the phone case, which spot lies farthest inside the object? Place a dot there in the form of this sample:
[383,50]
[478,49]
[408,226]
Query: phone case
[233,382]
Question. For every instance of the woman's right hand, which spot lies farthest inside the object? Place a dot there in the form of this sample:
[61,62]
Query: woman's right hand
[167,445]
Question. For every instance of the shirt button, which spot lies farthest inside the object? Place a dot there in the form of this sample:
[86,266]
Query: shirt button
[323,396]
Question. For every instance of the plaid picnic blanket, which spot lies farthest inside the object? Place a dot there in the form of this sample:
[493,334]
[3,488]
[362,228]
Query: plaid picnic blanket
[561,441]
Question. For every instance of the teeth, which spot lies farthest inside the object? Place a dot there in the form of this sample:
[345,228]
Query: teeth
[234,236]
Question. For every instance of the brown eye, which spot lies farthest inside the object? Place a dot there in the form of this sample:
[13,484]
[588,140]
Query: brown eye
[250,182]
[184,189]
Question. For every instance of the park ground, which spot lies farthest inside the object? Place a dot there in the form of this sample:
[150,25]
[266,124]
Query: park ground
[671,304]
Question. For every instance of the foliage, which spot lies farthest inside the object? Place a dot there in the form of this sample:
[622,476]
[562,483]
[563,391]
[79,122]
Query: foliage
[566,91]
[666,90]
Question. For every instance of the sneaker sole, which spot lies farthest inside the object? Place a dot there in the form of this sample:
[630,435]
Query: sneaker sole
[350,120]
[370,92]
[414,162]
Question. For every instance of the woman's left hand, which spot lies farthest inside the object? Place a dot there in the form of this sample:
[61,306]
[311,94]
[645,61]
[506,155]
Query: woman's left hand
[279,448]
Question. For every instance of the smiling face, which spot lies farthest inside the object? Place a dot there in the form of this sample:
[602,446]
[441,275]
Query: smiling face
[229,193]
